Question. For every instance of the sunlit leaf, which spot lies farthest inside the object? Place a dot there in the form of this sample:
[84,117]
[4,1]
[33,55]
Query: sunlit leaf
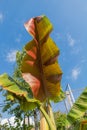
[16,91]
[40,68]
[41,24]
[79,107]
[59,98]
[10,96]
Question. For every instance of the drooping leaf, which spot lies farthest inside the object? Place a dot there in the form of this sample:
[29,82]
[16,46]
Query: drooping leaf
[17,91]
[10,85]
[29,104]
[40,67]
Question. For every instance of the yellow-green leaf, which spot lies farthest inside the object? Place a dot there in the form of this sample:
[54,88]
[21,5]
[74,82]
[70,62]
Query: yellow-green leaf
[16,91]
[79,107]
[40,68]
[41,23]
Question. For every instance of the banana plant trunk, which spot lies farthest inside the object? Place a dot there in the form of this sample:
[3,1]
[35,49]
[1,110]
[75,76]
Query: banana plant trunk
[50,113]
[43,123]
[47,121]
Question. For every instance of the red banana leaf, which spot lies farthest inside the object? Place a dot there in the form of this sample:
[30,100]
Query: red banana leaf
[40,67]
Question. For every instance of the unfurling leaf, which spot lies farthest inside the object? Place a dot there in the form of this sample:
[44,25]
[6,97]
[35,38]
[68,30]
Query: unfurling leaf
[40,68]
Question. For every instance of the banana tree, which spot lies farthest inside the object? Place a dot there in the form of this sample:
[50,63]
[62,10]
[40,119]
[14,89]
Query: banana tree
[40,69]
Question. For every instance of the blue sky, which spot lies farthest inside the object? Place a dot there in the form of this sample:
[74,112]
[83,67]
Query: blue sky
[69,19]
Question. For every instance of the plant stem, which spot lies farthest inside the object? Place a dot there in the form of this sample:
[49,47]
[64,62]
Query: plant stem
[50,113]
[50,123]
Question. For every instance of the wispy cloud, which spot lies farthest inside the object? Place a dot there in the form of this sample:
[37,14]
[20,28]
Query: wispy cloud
[83,60]
[71,40]
[57,35]
[1,17]
[75,73]
[18,39]
[76,50]
[11,56]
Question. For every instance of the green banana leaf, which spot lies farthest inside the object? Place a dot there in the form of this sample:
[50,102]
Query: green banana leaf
[79,108]
[16,91]
[80,124]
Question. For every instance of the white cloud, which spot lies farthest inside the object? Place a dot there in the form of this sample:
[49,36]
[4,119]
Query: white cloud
[11,56]
[57,35]
[18,39]
[1,17]
[84,60]
[76,50]
[75,73]
[71,40]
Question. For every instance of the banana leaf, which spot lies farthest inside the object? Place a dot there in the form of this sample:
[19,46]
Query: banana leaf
[15,91]
[40,68]
[79,108]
